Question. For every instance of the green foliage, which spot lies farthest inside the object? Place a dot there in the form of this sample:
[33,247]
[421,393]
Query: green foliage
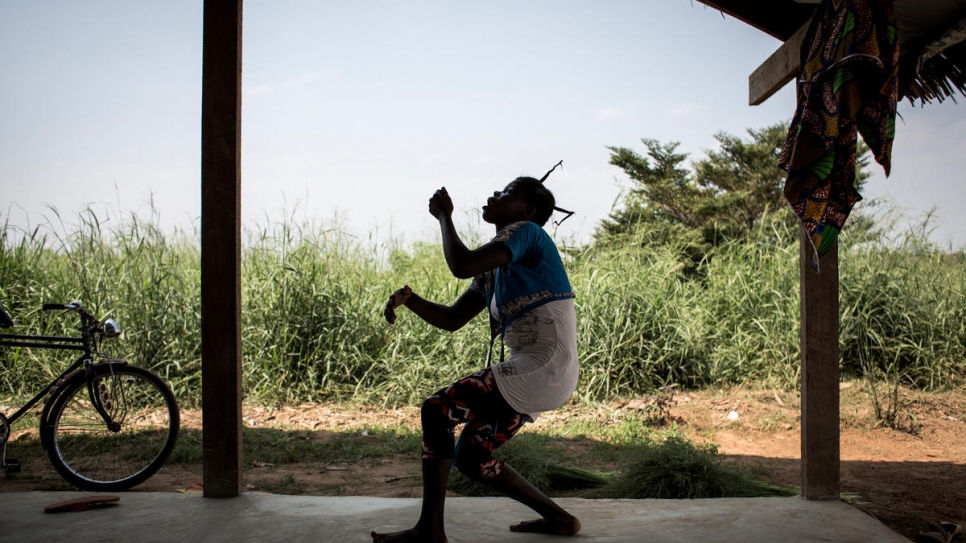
[312,325]
[146,279]
[742,180]
[677,469]
[312,301]
[903,309]
[656,326]
[723,197]
[664,191]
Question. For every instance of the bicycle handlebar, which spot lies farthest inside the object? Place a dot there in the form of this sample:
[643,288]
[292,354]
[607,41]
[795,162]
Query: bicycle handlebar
[89,322]
[72,306]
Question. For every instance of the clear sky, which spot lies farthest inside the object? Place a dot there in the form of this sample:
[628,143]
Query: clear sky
[362,109]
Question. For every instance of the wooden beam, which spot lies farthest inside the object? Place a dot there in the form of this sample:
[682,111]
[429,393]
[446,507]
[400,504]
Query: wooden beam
[780,68]
[820,373]
[221,248]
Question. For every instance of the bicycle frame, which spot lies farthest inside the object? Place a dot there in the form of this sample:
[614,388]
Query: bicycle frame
[62,378]
[85,343]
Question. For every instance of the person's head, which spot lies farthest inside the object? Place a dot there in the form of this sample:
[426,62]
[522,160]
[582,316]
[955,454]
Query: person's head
[524,199]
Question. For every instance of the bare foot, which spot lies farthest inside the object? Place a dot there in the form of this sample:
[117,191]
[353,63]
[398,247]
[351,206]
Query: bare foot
[412,535]
[568,525]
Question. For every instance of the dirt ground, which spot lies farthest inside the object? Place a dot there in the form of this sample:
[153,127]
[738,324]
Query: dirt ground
[903,477]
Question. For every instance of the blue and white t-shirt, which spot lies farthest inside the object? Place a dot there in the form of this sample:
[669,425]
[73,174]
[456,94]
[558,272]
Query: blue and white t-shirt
[534,276]
[533,301]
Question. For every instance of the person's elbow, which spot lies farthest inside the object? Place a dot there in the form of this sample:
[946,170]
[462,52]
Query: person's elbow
[451,327]
[461,270]
[454,323]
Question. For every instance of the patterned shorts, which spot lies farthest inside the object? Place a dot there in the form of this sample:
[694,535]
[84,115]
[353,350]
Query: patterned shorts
[489,422]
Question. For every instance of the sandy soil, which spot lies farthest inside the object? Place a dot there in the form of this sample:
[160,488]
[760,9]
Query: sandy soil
[901,476]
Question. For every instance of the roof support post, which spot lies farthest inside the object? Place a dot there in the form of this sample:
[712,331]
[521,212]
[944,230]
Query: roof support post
[820,373]
[221,353]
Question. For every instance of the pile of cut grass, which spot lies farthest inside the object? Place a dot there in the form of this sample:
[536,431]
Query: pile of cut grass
[668,468]
[675,469]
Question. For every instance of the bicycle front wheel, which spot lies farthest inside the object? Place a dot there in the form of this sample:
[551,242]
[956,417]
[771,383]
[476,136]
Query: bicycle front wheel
[125,448]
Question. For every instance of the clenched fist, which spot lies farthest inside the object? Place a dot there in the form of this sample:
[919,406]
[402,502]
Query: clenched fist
[440,204]
[396,299]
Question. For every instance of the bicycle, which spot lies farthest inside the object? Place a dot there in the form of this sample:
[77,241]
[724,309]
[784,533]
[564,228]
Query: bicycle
[105,425]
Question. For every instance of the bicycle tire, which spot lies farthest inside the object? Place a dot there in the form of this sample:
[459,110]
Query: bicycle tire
[88,454]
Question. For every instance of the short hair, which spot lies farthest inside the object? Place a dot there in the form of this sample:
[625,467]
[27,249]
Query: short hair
[539,196]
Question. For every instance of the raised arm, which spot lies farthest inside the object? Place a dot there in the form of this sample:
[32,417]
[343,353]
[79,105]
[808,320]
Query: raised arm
[462,261]
[448,317]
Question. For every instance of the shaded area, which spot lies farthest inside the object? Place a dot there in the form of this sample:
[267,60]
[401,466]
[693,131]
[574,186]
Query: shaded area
[901,495]
[154,516]
[385,462]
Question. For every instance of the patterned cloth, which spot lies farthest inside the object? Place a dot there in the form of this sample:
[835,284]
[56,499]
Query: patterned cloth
[848,86]
[489,422]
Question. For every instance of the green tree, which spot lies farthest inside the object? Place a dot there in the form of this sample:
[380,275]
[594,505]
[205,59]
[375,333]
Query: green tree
[722,197]
[742,181]
[663,191]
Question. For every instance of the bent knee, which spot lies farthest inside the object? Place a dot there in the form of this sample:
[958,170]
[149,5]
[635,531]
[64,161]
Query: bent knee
[433,410]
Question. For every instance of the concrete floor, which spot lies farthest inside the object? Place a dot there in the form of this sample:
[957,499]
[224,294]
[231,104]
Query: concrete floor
[163,517]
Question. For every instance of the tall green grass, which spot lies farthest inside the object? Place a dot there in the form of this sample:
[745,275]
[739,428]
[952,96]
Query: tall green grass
[646,320]
[313,297]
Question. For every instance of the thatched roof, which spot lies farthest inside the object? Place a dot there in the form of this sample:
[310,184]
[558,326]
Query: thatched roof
[932,62]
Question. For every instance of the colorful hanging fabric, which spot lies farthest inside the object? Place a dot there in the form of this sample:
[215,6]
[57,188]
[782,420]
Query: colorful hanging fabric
[848,85]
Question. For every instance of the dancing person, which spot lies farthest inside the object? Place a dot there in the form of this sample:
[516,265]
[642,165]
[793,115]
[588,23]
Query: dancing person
[519,278]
